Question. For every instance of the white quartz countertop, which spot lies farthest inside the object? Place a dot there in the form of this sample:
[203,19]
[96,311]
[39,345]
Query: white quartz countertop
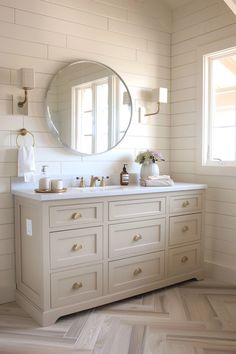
[91,192]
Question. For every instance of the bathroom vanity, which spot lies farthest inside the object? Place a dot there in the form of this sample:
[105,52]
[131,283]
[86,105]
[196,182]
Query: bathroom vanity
[92,246]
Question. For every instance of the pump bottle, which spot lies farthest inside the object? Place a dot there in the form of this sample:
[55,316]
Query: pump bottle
[124,176]
[44,182]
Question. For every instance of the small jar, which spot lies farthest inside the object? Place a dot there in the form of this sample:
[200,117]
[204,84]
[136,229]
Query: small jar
[56,184]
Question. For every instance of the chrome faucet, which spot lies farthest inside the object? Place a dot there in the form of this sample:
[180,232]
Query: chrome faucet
[93,181]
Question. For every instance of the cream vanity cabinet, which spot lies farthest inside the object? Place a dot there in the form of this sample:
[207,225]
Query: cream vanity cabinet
[80,250]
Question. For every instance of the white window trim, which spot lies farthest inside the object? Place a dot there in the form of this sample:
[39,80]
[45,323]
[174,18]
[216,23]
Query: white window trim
[222,168]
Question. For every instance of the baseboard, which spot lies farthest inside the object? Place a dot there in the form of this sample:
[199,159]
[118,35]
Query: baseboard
[7,295]
[220,273]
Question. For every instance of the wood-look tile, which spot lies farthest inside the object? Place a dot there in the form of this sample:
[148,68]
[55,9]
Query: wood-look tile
[189,318]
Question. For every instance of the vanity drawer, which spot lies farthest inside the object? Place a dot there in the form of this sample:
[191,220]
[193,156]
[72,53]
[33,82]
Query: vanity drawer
[135,271]
[186,228]
[136,237]
[187,203]
[183,260]
[81,214]
[75,246]
[75,285]
[127,209]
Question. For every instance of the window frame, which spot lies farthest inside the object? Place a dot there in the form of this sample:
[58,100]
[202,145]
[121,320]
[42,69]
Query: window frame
[204,166]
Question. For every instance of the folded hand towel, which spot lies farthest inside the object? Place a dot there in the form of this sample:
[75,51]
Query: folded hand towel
[157,181]
[158,177]
[26,163]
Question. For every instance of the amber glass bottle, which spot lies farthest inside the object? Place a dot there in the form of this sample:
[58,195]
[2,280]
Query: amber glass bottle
[124,176]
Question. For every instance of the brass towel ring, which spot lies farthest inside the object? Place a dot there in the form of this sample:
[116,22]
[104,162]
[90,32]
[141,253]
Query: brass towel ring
[24,132]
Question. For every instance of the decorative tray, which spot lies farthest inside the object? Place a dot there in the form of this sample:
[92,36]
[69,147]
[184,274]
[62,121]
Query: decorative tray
[50,190]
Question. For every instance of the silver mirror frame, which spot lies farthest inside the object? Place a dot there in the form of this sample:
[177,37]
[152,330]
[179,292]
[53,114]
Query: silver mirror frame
[54,130]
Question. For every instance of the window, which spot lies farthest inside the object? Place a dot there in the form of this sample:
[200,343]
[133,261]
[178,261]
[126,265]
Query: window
[219,108]
[96,109]
[90,116]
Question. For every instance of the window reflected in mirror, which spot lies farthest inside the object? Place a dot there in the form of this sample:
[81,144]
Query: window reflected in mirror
[86,107]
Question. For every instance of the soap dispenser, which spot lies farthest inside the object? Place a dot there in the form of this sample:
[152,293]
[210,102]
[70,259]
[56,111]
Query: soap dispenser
[44,181]
[124,176]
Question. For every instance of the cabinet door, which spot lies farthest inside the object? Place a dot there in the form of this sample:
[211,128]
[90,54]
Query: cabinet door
[81,214]
[137,271]
[136,237]
[127,209]
[75,285]
[183,260]
[186,228]
[71,247]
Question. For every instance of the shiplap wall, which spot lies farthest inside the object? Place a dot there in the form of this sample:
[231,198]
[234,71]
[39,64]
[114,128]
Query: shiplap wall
[198,24]
[131,36]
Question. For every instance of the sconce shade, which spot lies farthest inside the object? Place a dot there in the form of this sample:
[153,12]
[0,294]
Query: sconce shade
[27,78]
[160,96]
[163,95]
[126,98]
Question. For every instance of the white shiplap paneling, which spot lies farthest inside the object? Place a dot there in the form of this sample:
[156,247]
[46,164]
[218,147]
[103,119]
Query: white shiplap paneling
[133,37]
[198,24]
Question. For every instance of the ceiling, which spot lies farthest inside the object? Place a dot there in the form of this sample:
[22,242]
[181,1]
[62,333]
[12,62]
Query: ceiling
[173,4]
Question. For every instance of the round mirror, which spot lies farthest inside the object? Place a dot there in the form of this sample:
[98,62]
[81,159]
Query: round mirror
[89,107]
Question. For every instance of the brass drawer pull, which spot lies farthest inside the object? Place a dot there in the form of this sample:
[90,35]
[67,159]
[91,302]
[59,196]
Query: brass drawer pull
[184,259]
[77,286]
[76,247]
[137,237]
[137,271]
[185,204]
[76,216]
[185,228]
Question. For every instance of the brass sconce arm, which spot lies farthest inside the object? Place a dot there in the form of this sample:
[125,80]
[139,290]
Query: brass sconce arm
[22,103]
[157,111]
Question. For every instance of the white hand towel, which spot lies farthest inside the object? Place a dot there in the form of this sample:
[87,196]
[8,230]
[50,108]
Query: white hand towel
[157,181]
[26,163]
[158,178]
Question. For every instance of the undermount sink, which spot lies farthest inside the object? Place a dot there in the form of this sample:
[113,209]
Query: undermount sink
[97,189]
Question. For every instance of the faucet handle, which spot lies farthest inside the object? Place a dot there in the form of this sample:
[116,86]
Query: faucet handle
[103,182]
[82,183]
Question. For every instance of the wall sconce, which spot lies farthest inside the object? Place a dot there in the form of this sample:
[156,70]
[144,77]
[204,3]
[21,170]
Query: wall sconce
[160,95]
[126,98]
[27,83]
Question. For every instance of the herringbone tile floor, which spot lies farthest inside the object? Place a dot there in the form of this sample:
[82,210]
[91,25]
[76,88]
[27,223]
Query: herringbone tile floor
[189,318]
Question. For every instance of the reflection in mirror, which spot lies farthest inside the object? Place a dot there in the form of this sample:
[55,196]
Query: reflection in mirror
[89,107]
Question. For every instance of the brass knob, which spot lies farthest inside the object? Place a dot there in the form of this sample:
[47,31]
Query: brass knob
[184,259]
[185,228]
[137,271]
[185,204]
[77,286]
[137,237]
[76,216]
[76,247]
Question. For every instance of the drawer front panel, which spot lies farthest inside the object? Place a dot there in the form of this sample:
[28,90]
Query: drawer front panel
[187,203]
[136,237]
[73,247]
[76,214]
[135,271]
[186,228]
[71,286]
[136,208]
[183,260]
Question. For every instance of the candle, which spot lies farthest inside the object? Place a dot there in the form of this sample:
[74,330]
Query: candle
[56,184]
